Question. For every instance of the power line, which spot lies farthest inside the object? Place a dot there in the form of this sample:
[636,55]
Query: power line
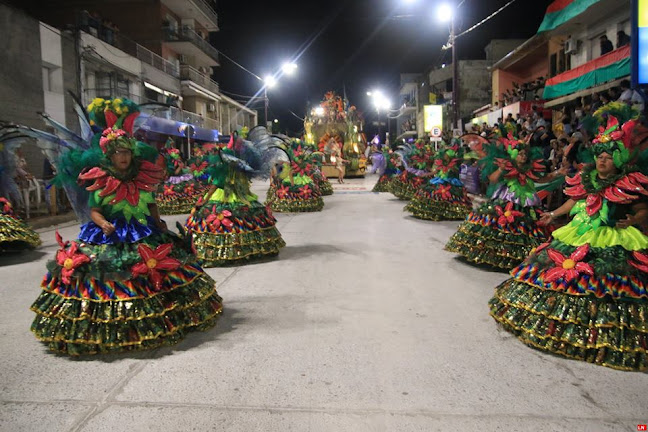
[241,66]
[486,19]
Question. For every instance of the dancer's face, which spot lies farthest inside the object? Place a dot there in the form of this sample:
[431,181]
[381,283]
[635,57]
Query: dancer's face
[122,159]
[522,157]
[605,165]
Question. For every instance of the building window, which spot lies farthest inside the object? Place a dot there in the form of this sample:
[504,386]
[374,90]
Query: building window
[47,82]
[103,87]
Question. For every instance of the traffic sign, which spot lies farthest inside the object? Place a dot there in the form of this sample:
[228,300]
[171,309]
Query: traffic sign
[436,131]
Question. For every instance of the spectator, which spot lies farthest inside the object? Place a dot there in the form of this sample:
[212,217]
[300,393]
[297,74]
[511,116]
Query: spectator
[606,45]
[539,121]
[605,98]
[630,96]
[622,39]
[596,103]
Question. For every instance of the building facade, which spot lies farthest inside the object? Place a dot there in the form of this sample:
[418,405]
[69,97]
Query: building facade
[166,58]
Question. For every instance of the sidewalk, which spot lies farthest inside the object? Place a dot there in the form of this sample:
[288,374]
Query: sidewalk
[46,221]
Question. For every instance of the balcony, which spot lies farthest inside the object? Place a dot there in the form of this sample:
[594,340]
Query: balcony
[192,118]
[607,68]
[189,73]
[109,36]
[407,108]
[202,11]
[186,41]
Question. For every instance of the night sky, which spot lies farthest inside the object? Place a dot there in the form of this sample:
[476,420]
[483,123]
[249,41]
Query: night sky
[354,44]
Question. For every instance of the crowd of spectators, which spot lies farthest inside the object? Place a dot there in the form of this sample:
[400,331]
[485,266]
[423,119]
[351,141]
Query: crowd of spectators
[562,138]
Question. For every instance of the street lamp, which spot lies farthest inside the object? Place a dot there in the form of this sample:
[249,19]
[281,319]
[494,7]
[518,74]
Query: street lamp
[289,68]
[268,82]
[380,102]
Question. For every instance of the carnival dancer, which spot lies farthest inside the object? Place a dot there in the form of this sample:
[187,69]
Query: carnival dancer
[15,234]
[180,190]
[503,230]
[309,161]
[584,294]
[444,197]
[416,161]
[229,225]
[126,283]
[291,189]
[388,172]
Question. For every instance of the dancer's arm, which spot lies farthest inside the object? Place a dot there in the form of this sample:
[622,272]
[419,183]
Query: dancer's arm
[547,217]
[99,219]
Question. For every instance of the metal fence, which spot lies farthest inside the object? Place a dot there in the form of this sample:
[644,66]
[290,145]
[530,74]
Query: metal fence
[191,73]
[187,34]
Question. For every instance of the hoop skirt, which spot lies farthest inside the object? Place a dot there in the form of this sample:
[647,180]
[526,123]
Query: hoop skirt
[501,232]
[231,230]
[15,233]
[440,199]
[303,196]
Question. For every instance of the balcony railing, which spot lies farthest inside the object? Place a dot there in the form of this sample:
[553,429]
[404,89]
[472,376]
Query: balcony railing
[206,8]
[187,34]
[113,37]
[180,115]
[190,73]
[149,57]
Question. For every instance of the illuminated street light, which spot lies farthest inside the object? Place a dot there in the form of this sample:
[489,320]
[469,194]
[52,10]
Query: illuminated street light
[445,12]
[289,68]
[270,81]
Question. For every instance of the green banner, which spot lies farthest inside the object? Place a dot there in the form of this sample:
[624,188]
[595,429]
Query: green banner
[561,11]
[590,79]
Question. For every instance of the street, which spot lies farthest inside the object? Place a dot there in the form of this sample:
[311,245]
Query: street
[363,323]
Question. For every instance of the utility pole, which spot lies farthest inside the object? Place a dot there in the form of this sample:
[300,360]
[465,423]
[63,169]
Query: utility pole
[265,97]
[455,76]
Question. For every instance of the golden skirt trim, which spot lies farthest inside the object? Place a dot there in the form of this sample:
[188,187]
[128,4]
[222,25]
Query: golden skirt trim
[73,309]
[16,232]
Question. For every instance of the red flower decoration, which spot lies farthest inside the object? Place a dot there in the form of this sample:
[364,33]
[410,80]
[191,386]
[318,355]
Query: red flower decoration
[540,248]
[642,261]
[218,219]
[154,262]
[443,192]
[197,169]
[6,206]
[568,268]
[109,135]
[507,215]
[168,190]
[69,259]
[282,192]
[147,177]
[304,191]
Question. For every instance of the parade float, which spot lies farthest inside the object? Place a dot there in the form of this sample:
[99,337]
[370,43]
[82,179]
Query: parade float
[337,130]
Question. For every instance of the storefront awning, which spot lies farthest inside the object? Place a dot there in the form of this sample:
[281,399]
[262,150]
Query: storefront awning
[175,128]
[561,11]
[608,67]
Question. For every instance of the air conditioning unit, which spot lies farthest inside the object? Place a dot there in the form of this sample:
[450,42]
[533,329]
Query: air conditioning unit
[211,107]
[571,46]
